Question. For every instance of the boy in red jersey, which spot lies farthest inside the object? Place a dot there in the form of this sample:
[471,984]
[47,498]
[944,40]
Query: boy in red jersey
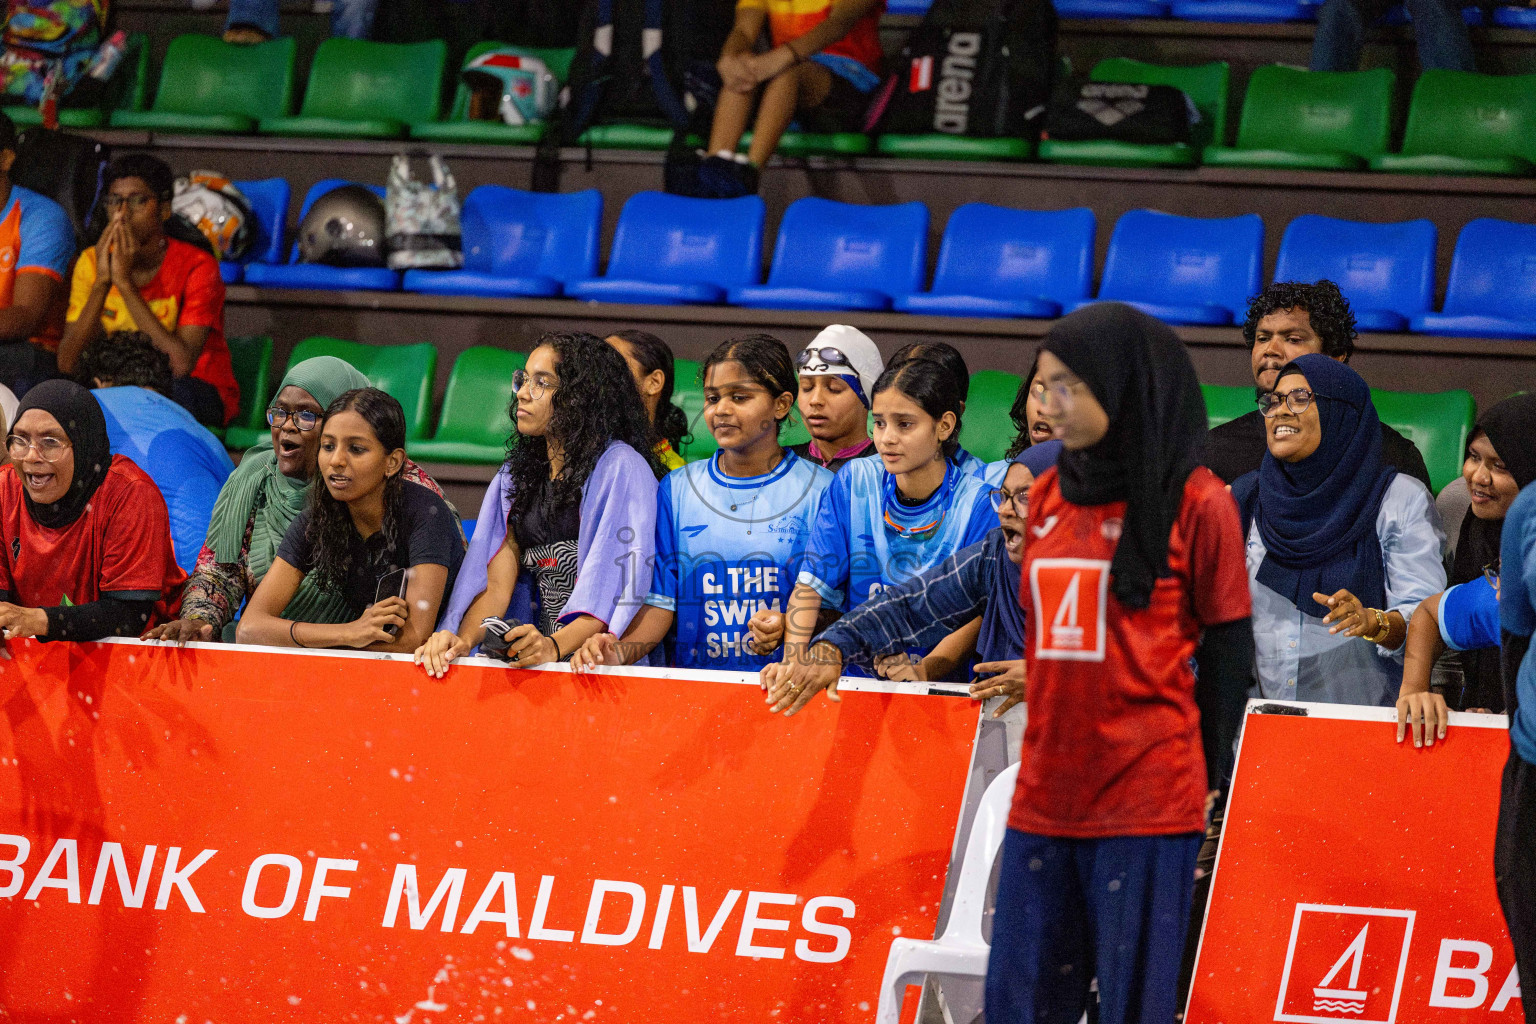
[1133,570]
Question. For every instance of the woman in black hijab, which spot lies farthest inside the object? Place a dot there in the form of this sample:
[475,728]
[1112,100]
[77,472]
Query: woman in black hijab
[1133,567]
[85,541]
[1500,461]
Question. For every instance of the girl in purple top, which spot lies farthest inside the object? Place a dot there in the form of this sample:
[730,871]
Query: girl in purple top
[573,510]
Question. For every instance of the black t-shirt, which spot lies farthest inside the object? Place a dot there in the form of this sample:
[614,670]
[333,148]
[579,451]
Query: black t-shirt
[548,520]
[548,536]
[428,535]
[1236,448]
[804,451]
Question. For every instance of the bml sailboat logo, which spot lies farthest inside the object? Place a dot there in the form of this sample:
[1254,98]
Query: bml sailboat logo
[1344,964]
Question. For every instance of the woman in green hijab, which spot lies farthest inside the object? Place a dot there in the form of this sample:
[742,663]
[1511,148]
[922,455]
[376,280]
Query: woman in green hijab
[260,499]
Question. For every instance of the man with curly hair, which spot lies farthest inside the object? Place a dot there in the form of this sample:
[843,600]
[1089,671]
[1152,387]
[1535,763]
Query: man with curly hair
[1286,320]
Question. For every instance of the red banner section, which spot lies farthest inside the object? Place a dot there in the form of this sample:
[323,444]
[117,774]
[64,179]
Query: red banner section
[238,835]
[1355,880]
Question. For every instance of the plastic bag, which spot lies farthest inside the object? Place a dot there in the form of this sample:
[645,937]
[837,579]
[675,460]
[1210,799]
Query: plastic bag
[422,219]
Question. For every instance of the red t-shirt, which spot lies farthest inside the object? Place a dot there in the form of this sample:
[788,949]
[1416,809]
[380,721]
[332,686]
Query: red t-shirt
[791,19]
[187,290]
[1112,747]
[120,545]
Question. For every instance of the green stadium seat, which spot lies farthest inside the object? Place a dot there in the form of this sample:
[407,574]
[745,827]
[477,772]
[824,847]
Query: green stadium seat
[1204,84]
[1460,122]
[940,146]
[474,423]
[1224,403]
[360,89]
[688,395]
[1439,423]
[626,136]
[817,144]
[457,126]
[210,86]
[987,429]
[404,371]
[1311,120]
[127,91]
[252,362]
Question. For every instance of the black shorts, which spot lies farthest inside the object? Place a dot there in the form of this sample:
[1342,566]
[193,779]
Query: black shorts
[844,109]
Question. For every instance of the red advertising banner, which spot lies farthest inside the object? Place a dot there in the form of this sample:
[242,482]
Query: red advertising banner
[232,835]
[1355,879]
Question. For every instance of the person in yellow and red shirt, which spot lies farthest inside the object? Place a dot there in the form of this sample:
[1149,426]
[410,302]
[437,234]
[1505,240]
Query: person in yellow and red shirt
[822,68]
[138,278]
[36,245]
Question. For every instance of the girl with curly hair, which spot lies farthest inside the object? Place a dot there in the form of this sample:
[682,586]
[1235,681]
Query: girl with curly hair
[574,508]
[390,549]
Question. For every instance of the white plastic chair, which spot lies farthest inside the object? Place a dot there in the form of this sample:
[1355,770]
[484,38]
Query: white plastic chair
[960,950]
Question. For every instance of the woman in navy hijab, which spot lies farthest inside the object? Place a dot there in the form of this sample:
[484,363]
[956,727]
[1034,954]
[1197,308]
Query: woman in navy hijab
[1341,547]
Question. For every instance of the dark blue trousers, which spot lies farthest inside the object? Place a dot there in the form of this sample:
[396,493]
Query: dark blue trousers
[1071,910]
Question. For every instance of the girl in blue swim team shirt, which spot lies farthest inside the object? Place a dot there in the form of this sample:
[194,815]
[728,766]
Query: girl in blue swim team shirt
[885,520]
[730,530]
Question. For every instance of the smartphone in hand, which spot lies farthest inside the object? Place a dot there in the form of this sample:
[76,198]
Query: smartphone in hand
[392,584]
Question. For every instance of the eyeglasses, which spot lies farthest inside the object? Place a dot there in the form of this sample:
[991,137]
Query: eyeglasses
[536,384]
[49,449]
[303,420]
[134,202]
[830,356]
[1061,390]
[1297,400]
[1002,497]
[1491,572]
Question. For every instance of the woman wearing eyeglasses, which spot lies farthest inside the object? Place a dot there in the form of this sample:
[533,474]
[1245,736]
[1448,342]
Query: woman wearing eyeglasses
[883,522]
[573,511]
[259,501]
[85,538]
[1341,548]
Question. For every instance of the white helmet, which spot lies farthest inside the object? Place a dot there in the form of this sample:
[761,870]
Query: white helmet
[215,207]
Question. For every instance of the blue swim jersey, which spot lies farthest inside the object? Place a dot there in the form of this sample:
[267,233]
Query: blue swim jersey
[853,553]
[727,547]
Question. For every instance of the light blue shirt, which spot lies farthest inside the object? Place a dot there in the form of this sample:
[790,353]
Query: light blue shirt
[187,463]
[727,547]
[1295,655]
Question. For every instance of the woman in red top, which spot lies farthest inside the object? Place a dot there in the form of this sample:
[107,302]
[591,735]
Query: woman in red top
[1133,566]
[138,278]
[85,539]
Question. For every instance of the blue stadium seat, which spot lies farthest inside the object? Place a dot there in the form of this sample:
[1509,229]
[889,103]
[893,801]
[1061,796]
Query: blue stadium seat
[1515,17]
[1112,8]
[916,7]
[832,255]
[1252,11]
[519,243]
[269,207]
[1386,271]
[1185,270]
[294,274]
[1492,289]
[1000,262]
[673,249]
